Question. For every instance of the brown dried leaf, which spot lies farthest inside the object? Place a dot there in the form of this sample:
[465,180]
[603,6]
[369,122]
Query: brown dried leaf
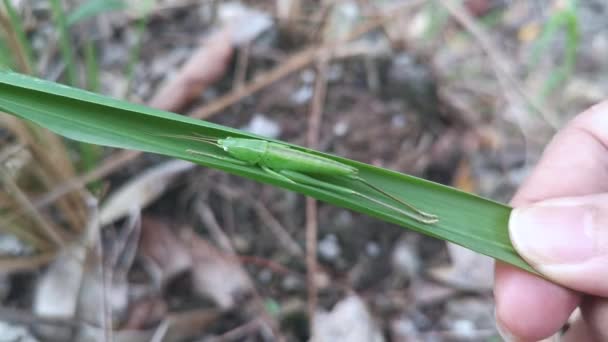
[216,275]
[141,191]
[145,312]
[164,254]
[206,65]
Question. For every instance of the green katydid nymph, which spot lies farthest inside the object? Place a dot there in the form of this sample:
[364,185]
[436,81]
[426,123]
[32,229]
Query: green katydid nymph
[294,166]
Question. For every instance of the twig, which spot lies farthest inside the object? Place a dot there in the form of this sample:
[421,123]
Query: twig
[277,228]
[23,58]
[27,205]
[267,263]
[25,317]
[238,332]
[499,62]
[242,66]
[25,263]
[106,313]
[161,331]
[295,63]
[211,223]
[113,163]
[314,123]
[267,217]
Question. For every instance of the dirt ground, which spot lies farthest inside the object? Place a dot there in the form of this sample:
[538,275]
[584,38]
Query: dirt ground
[406,85]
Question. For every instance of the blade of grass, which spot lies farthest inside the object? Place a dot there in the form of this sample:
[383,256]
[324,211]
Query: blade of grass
[93,8]
[90,57]
[566,19]
[24,50]
[65,41]
[465,219]
[439,18]
[139,41]
[134,54]
[90,155]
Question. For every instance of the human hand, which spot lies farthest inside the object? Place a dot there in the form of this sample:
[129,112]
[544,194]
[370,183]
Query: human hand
[560,227]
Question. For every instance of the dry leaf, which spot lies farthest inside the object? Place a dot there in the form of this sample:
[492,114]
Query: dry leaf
[206,65]
[58,289]
[164,254]
[141,191]
[216,275]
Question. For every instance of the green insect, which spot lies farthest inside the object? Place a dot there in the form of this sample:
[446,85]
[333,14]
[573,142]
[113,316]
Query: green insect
[295,166]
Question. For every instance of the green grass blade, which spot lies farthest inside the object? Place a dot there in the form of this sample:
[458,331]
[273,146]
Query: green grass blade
[92,8]
[465,219]
[25,49]
[65,41]
[567,20]
[90,58]
[135,50]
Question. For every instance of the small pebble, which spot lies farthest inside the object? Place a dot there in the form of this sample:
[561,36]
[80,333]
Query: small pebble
[302,95]
[329,248]
[372,249]
[261,125]
[340,128]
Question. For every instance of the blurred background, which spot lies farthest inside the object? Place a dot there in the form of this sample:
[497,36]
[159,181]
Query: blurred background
[109,245]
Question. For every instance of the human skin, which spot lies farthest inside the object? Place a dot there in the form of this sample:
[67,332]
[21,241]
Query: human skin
[560,226]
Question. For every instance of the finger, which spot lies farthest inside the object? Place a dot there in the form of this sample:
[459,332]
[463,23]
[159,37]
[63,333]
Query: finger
[562,171]
[529,308]
[566,239]
[595,313]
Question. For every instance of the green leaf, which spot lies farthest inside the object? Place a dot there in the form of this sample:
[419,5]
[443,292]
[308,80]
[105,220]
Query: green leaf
[92,8]
[567,20]
[465,219]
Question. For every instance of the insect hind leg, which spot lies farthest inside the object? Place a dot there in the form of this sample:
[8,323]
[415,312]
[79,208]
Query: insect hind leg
[276,174]
[422,213]
[307,180]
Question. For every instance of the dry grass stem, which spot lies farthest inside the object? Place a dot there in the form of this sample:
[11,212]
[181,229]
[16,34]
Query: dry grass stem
[314,124]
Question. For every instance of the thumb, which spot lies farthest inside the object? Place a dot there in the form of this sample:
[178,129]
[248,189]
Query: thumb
[566,240]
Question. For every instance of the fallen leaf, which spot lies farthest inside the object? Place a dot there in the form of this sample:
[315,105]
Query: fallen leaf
[142,190]
[215,274]
[206,65]
[164,255]
[58,289]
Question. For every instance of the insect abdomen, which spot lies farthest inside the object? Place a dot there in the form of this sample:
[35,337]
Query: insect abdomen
[279,157]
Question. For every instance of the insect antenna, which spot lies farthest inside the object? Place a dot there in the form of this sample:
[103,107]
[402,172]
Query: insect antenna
[422,213]
[195,137]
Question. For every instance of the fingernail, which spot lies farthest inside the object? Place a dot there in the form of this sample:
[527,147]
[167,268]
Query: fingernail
[554,234]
